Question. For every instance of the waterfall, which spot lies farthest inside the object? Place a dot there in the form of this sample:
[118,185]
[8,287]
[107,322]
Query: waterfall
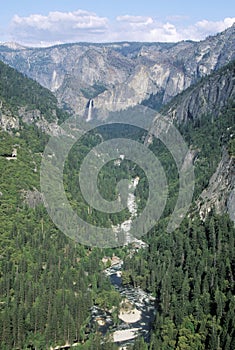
[90,106]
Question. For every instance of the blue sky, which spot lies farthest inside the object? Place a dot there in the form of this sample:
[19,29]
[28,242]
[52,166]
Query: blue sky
[45,22]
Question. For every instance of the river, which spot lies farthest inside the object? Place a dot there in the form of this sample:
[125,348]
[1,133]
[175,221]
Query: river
[139,311]
[135,319]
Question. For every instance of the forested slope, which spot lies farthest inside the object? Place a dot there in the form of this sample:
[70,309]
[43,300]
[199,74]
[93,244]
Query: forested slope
[48,283]
[192,270]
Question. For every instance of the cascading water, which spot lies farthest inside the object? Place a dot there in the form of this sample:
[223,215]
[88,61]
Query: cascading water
[90,107]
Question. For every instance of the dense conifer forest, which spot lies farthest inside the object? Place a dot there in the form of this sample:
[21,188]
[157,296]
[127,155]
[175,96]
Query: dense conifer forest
[48,283]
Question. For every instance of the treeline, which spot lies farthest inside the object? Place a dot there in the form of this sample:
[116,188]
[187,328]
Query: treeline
[108,177]
[192,270]
[48,283]
[17,90]
[192,274]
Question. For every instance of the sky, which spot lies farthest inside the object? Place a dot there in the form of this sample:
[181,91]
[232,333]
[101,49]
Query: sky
[48,22]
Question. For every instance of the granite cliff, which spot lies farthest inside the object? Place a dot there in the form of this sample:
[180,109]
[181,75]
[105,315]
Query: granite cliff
[211,98]
[120,75]
[208,96]
[220,193]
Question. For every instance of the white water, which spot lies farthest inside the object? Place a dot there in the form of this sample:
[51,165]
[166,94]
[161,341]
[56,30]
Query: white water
[143,303]
[138,322]
[132,207]
[89,117]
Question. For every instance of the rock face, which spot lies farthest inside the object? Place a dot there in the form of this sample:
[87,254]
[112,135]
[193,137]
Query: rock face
[89,77]
[121,75]
[32,198]
[209,96]
[220,193]
[8,122]
[37,118]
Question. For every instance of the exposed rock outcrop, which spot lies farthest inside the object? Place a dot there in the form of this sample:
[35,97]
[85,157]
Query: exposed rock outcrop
[32,198]
[209,96]
[8,122]
[121,75]
[36,117]
[220,193]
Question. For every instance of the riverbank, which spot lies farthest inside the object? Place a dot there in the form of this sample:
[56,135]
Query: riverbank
[137,309]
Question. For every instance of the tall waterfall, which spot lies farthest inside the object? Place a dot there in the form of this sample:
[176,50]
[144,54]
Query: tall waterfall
[90,107]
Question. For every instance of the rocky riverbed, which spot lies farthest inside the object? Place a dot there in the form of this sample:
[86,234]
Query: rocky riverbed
[137,311]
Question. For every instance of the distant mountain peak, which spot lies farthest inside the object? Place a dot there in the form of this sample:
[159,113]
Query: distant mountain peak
[13,45]
[127,74]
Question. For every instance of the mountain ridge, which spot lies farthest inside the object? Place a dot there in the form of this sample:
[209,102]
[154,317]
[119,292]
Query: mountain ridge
[129,72]
[208,96]
[211,99]
[48,283]
[24,100]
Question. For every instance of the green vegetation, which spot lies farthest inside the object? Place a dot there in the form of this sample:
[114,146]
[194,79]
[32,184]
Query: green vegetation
[208,136]
[93,91]
[154,101]
[191,271]
[48,283]
[16,90]
[108,178]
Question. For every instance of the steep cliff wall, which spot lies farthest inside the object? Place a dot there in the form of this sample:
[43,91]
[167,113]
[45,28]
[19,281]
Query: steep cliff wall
[209,96]
[220,193]
[121,75]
